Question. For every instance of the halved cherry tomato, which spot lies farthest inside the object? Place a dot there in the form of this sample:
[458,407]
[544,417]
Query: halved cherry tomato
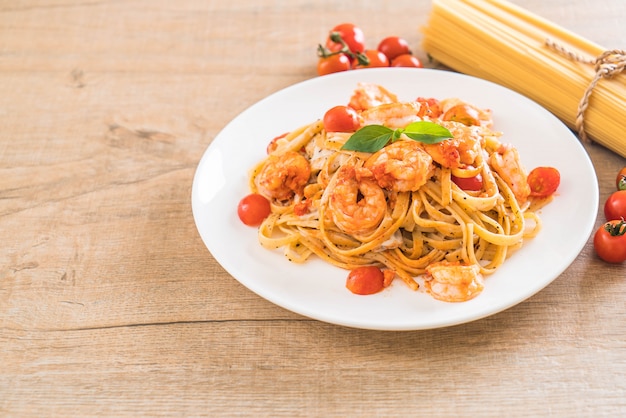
[620,181]
[615,206]
[469,183]
[376,59]
[351,34]
[333,64]
[543,181]
[341,119]
[406,60]
[365,280]
[609,241]
[253,209]
[393,46]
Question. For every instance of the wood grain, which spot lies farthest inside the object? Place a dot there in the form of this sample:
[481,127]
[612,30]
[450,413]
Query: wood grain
[110,305]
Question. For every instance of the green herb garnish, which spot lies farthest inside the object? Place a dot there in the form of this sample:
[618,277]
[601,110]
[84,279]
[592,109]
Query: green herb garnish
[372,138]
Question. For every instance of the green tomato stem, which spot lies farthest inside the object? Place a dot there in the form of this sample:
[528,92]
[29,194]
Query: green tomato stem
[617,229]
[323,52]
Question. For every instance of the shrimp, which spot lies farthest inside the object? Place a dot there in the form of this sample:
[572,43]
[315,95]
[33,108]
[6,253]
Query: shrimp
[357,204]
[283,175]
[392,115]
[453,282]
[459,151]
[402,166]
[505,161]
[368,95]
[457,110]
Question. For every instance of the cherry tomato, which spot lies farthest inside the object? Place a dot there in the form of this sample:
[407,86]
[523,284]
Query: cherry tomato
[253,209]
[615,206]
[333,64]
[376,58]
[543,181]
[609,241]
[393,46]
[620,181]
[469,183]
[406,60]
[352,35]
[365,280]
[341,119]
[462,113]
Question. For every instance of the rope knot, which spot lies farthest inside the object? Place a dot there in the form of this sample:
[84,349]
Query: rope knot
[610,63]
[607,65]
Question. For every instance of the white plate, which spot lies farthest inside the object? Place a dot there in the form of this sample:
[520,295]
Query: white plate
[317,290]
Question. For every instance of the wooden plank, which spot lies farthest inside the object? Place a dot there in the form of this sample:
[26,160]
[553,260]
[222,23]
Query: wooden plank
[110,304]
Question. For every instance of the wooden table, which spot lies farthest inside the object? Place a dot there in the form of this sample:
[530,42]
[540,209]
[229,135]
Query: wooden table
[111,305]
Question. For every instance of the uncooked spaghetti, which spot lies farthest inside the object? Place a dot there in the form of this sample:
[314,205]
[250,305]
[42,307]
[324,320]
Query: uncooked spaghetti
[503,43]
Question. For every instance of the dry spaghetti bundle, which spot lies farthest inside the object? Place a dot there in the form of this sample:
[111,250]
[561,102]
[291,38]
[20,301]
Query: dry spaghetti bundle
[577,80]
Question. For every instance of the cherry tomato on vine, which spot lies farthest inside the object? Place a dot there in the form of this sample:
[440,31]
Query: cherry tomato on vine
[469,183]
[543,181]
[406,60]
[376,59]
[615,206]
[351,34]
[620,181]
[341,119]
[365,280]
[393,46]
[333,64]
[253,209]
[609,241]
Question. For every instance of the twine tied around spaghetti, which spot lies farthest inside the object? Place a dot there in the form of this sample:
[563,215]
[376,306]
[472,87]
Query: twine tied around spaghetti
[607,65]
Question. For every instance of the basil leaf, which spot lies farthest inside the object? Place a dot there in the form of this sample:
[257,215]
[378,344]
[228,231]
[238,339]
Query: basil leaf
[370,138]
[427,132]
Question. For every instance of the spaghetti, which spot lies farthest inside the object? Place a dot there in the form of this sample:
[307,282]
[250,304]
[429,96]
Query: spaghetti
[503,43]
[411,207]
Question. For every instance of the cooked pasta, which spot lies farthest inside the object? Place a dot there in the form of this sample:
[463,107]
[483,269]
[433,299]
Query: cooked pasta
[410,207]
[501,42]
